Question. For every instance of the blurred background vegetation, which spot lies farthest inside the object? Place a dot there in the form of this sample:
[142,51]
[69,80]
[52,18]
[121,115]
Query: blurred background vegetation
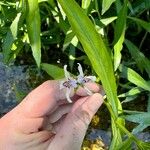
[41,35]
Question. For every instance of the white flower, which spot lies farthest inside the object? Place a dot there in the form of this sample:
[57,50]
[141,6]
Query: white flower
[70,84]
[73,83]
[81,79]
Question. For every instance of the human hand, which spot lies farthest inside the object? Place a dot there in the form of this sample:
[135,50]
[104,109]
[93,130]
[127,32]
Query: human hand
[45,121]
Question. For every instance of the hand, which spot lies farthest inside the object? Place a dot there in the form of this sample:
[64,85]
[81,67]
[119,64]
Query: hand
[45,121]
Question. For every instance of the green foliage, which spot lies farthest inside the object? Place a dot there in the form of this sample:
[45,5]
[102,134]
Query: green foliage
[34,29]
[119,34]
[53,71]
[109,38]
[106,5]
[141,61]
[141,118]
[134,77]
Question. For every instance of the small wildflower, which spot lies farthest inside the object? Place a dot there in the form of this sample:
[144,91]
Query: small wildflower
[81,79]
[73,83]
[70,83]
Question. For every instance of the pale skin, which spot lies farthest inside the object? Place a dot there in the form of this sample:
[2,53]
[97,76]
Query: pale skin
[45,121]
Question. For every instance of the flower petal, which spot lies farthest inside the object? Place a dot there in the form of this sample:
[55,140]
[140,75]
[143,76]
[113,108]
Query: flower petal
[68,91]
[67,75]
[92,78]
[80,70]
[80,79]
[88,91]
[61,86]
[73,83]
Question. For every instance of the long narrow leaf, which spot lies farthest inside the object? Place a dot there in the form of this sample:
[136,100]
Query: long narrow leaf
[93,46]
[95,50]
[85,4]
[106,5]
[140,59]
[138,6]
[33,26]
[10,38]
[131,92]
[54,71]
[148,105]
[126,145]
[119,35]
[117,51]
[142,119]
[144,24]
[7,44]
[134,77]
[120,23]
[14,26]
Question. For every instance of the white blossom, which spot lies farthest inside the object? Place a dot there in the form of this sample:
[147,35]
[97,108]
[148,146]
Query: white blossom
[71,83]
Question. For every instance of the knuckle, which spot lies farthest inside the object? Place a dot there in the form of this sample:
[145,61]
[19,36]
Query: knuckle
[82,116]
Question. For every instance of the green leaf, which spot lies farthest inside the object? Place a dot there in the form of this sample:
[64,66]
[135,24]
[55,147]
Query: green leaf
[93,46]
[126,145]
[131,92]
[33,26]
[14,26]
[107,21]
[10,38]
[120,23]
[139,6]
[85,4]
[100,24]
[117,50]
[148,106]
[140,59]
[119,35]
[143,145]
[70,39]
[106,5]
[144,24]
[7,4]
[97,52]
[54,71]
[7,44]
[142,119]
[134,77]
[129,99]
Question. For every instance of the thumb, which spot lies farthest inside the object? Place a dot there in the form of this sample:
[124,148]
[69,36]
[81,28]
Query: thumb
[76,123]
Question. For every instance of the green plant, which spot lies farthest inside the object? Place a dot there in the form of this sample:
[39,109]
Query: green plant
[103,35]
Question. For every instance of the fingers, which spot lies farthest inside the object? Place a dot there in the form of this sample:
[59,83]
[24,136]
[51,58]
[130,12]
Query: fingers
[54,120]
[44,98]
[93,87]
[64,109]
[76,123]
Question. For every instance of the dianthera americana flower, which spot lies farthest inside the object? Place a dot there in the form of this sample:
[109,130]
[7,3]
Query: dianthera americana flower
[72,83]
